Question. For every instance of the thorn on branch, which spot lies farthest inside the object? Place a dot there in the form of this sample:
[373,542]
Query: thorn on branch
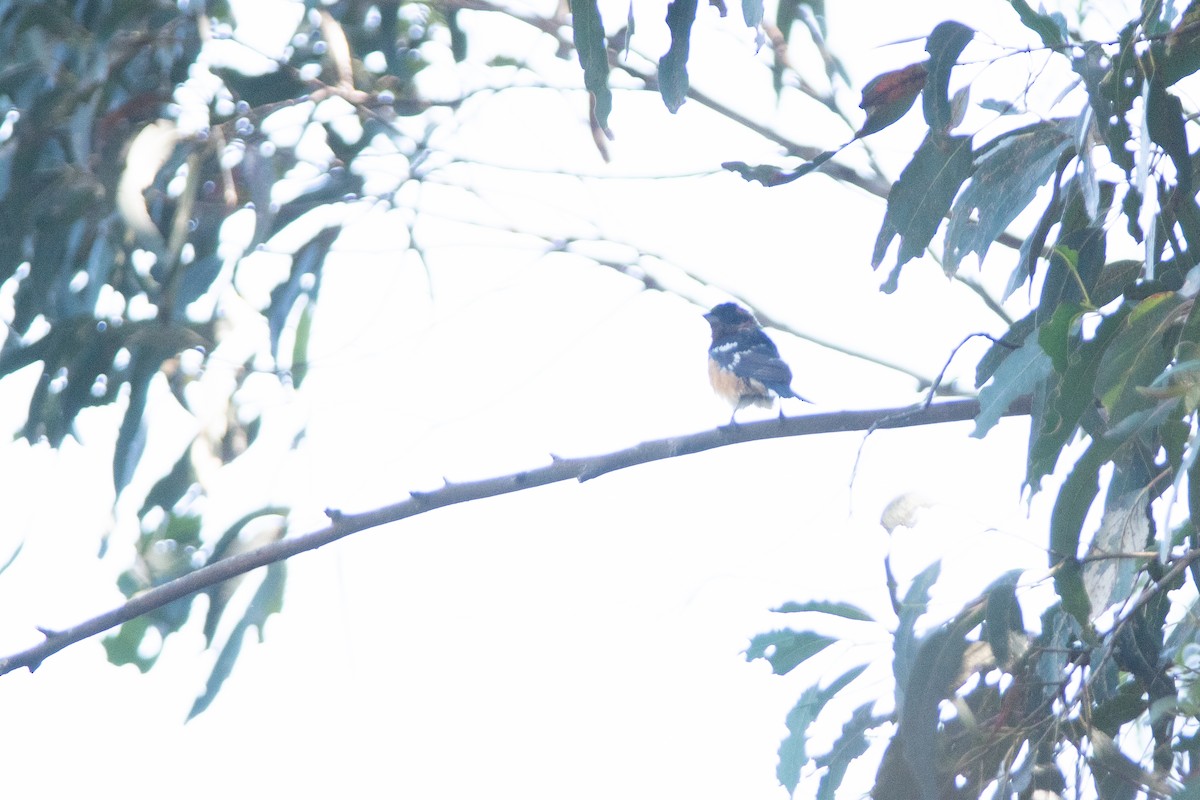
[49,633]
[334,514]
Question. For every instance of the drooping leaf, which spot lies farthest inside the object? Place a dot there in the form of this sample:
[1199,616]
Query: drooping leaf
[788,648]
[752,12]
[672,67]
[1005,178]
[149,348]
[1179,56]
[1072,396]
[944,46]
[304,281]
[937,663]
[920,199]
[793,754]
[1165,123]
[588,32]
[1137,355]
[1109,95]
[1003,347]
[844,610]
[1075,264]
[912,607]
[267,600]
[1017,376]
[227,545]
[850,744]
[888,97]
[1051,28]
[1003,615]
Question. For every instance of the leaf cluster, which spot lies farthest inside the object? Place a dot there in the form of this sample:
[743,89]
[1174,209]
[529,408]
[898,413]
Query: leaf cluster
[1107,356]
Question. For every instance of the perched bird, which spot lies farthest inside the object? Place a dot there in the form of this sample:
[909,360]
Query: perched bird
[744,366]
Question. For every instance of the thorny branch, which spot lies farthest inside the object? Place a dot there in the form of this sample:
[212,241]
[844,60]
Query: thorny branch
[559,469]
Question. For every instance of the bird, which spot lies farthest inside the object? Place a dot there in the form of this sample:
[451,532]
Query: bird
[744,366]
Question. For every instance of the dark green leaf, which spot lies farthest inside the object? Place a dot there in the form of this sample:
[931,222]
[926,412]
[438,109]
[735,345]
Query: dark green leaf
[1003,615]
[267,600]
[791,648]
[1179,55]
[1071,398]
[304,281]
[921,198]
[1137,355]
[1060,634]
[593,55]
[1005,179]
[846,610]
[793,754]
[851,744]
[1075,499]
[1051,28]
[944,45]
[914,604]
[1002,348]
[1075,262]
[937,663]
[1118,777]
[1109,94]
[1016,376]
[672,67]
[1165,123]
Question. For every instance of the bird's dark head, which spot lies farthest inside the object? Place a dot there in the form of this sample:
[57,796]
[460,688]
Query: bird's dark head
[730,316]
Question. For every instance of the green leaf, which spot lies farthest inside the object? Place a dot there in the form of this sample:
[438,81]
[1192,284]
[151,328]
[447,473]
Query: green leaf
[1110,97]
[920,199]
[793,754]
[672,67]
[944,45]
[851,744]
[1075,499]
[1002,348]
[1070,399]
[1137,355]
[1017,376]
[1003,615]
[1051,28]
[300,346]
[937,663]
[593,56]
[1165,124]
[267,600]
[845,610]
[220,595]
[1179,55]
[791,648]
[1075,264]
[914,604]
[752,12]
[1057,336]
[1006,177]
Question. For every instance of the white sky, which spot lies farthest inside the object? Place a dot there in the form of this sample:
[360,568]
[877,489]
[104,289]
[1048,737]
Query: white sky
[579,640]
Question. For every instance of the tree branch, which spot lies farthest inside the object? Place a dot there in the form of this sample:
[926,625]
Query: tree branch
[559,469]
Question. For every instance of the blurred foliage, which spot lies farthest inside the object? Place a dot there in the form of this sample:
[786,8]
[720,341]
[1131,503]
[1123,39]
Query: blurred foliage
[127,157]
[1099,699]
